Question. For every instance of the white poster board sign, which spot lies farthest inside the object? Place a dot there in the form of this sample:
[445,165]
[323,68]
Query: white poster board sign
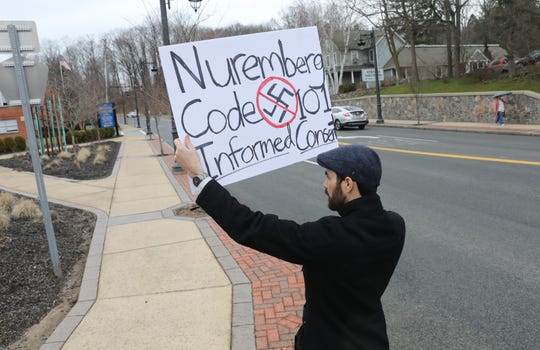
[251,103]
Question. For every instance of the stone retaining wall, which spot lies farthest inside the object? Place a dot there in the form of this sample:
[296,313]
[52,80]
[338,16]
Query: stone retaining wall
[523,107]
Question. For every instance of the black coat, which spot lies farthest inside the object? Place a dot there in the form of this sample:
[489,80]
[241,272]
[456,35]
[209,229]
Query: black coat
[347,263]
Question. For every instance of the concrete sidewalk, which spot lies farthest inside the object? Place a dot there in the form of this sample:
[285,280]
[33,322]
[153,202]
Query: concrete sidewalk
[154,280]
[510,129]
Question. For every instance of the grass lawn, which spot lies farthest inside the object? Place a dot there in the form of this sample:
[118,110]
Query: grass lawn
[477,83]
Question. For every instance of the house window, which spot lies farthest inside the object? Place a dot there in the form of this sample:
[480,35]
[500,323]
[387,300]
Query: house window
[354,56]
[335,58]
[9,126]
[371,56]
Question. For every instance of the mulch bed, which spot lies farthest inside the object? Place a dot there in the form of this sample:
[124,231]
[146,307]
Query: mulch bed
[67,168]
[28,287]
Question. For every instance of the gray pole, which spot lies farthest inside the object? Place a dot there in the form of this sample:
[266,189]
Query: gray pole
[25,100]
[145,102]
[106,72]
[176,168]
[380,119]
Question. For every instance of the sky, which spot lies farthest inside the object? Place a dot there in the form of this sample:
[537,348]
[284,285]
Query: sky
[61,20]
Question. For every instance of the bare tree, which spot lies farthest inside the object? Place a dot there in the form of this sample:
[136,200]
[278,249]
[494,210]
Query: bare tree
[378,14]
[450,13]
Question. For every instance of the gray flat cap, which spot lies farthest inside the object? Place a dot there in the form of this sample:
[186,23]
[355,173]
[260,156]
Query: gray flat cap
[360,163]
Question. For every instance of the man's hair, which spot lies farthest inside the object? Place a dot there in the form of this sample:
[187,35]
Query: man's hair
[362,188]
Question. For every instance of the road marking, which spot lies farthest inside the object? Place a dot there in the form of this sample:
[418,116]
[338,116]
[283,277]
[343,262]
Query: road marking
[357,137]
[455,156]
[407,138]
[444,155]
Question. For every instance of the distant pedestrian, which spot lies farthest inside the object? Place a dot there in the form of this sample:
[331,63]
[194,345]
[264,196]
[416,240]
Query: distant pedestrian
[499,108]
[347,259]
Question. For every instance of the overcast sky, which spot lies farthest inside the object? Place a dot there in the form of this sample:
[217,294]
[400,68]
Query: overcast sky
[60,19]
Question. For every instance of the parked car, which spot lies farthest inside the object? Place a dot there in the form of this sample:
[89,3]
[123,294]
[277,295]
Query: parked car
[345,116]
[132,114]
[532,58]
[499,65]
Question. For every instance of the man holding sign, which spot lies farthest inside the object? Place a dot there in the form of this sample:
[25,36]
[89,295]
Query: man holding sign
[347,260]
[254,103]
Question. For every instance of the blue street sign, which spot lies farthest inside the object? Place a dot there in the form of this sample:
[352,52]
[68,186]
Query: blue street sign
[106,115]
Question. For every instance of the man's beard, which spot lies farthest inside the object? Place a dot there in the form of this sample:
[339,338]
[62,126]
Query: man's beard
[337,199]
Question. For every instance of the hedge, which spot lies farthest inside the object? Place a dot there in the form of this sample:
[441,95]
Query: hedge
[18,143]
[82,136]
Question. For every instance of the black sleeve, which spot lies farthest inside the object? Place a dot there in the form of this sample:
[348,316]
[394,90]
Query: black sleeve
[283,239]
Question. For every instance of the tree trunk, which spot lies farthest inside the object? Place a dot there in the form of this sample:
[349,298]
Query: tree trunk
[389,34]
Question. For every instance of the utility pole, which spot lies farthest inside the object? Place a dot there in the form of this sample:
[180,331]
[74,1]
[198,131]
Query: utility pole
[195,4]
[176,168]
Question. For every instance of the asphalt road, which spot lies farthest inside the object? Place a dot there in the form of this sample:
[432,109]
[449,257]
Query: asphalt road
[469,276]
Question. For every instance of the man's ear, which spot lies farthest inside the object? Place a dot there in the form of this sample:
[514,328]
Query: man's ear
[348,184]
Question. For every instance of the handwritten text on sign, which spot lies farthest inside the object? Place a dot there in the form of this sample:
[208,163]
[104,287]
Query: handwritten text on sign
[251,103]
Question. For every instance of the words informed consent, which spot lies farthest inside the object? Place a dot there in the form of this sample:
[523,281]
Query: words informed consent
[243,67]
[238,156]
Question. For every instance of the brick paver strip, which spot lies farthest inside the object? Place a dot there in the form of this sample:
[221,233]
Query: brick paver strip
[277,287]
[278,293]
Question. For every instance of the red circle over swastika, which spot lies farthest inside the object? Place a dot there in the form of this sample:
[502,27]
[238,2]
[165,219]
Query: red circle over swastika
[277,101]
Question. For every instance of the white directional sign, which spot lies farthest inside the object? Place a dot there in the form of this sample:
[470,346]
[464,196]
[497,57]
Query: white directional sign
[368,75]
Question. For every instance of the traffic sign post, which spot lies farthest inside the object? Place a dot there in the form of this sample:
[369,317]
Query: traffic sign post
[29,34]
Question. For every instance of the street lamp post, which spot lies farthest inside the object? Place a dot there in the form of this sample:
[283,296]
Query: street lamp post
[380,119]
[145,102]
[195,4]
[136,106]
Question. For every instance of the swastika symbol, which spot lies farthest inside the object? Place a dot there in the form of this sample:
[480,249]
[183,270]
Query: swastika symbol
[277,101]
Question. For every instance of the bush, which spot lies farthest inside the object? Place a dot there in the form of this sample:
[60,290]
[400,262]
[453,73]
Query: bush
[5,221]
[100,158]
[53,164]
[26,209]
[9,143]
[91,135]
[65,155]
[82,136]
[346,88]
[82,156]
[107,133]
[20,143]
[2,146]
[7,201]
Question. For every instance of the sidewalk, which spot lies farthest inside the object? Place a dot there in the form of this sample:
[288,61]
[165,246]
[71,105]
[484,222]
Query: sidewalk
[154,280]
[510,129]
